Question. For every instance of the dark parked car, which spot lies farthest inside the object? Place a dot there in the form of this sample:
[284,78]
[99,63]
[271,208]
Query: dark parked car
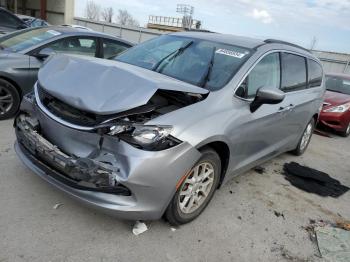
[10,22]
[336,107]
[32,21]
[157,131]
[22,53]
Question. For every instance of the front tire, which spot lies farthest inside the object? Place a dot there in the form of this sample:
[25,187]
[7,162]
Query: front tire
[346,132]
[9,100]
[197,189]
[305,139]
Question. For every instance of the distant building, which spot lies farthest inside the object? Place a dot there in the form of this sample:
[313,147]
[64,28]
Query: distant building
[56,12]
[334,62]
[173,24]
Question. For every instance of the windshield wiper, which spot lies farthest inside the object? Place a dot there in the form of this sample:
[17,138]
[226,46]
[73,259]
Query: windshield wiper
[206,77]
[173,55]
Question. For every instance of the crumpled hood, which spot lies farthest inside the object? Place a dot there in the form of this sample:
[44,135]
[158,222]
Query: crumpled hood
[103,86]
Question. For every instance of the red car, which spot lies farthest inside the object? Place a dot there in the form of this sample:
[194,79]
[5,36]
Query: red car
[336,107]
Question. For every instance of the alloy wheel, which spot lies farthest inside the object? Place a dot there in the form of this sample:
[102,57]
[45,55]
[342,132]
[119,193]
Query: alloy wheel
[196,187]
[306,136]
[6,100]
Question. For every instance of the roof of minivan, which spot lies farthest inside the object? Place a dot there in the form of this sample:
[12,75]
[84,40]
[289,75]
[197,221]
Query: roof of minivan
[224,38]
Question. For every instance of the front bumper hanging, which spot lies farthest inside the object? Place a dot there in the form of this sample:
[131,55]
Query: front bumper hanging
[80,173]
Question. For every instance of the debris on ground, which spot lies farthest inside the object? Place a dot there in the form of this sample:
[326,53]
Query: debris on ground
[313,181]
[57,206]
[173,229]
[278,214]
[286,254]
[344,225]
[259,169]
[333,243]
[332,239]
[139,228]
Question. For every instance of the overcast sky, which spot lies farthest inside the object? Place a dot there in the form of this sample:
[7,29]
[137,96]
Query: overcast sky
[294,20]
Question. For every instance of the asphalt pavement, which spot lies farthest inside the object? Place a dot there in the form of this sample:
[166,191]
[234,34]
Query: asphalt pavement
[242,223]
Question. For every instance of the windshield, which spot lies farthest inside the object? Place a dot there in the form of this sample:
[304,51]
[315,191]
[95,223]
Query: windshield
[21,41]
[203,63]
[338,84]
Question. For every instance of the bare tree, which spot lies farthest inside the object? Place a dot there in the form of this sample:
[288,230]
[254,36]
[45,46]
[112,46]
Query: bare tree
[92,10]
[107,14]
[125,18]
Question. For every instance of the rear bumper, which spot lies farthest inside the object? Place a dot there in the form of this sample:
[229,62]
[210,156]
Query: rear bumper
[336,121]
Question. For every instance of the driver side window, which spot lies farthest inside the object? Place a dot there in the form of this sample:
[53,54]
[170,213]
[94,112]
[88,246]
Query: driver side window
[265,74]
[75,45]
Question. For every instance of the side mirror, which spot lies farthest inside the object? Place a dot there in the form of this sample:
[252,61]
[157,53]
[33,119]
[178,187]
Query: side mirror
[266,96]
[44,53]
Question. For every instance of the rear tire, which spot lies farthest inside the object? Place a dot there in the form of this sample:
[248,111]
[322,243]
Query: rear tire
[197,189]
[9,100]
[305,139]
[346,132]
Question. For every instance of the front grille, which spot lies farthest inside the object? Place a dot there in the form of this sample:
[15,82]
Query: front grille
[69,113]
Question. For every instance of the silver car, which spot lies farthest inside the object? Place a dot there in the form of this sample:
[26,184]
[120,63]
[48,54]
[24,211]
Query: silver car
[157,131]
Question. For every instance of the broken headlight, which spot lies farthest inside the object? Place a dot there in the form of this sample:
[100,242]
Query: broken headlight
[152,138]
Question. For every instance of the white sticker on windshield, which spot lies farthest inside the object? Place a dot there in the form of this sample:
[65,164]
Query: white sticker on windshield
[230,53]
[53,32]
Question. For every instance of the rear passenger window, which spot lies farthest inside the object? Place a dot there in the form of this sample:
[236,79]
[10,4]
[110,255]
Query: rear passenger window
[293,72]
[75,45]
[315,74]
[265,74]
[112,48]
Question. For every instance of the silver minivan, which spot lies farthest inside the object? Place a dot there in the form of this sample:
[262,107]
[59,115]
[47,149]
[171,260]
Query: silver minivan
[159,129]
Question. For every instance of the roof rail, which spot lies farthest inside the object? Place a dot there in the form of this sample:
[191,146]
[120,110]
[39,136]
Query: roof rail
[275,41]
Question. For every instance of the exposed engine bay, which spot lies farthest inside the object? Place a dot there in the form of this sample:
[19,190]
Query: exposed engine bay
[128,125]
[162,102]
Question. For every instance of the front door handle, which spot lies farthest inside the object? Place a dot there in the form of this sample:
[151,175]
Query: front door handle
[286,108]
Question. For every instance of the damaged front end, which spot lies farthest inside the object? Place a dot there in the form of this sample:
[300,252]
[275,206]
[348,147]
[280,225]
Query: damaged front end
[91,172]
[129,125]
[96,142]
[81,173]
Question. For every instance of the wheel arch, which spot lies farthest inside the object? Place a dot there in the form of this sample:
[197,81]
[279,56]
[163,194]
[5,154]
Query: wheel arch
[14,83]
[223,150]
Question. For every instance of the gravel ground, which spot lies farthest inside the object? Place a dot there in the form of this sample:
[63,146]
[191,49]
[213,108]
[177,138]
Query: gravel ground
[239,224]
